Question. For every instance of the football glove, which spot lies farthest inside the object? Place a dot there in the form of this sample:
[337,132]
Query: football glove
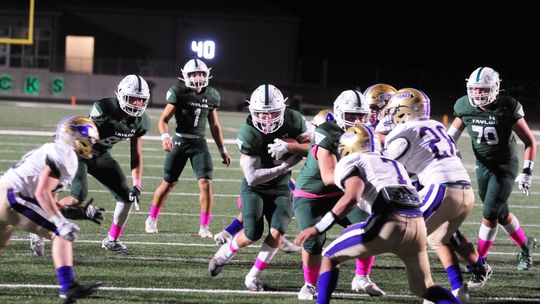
[84,212]
[135,196]
[278,148]
[524,182]
[66,229]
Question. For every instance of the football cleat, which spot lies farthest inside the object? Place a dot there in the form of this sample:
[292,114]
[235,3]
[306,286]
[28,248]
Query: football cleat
[462,293]
[114,246]
[364,283]
[254,284]
[215,266]
[223,237]
[479,276]
[288,246]
[37,244]
[78,291]
[151,225]
[204,232]
[307,292]
[525,261]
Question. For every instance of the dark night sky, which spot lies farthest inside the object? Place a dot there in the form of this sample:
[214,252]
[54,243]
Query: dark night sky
[444,36]
[440,36]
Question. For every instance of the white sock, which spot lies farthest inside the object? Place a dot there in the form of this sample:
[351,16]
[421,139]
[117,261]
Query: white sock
[263,259]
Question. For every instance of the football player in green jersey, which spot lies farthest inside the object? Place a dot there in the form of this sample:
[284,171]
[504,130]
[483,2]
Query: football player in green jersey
[490,119]
[236,225]
[192,103]
[117,119]
[316,193]
[265,191]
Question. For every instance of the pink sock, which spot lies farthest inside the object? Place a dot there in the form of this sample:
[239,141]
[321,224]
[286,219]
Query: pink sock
[205,218]
[484,247]
[311,275]
[154,211]
[519,237]
[260,264]
[115,231]
[363,266]
[231,247]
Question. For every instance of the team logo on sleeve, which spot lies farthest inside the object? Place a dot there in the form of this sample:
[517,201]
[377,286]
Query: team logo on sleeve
[318,137]
[239,142]
[95,112]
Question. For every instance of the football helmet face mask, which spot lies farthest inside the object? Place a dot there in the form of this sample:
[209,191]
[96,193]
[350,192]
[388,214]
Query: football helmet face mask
[322,117]
[356,139]
[351,109]
[483,86]
[408,104]
[267,108]
[377,97]
[133,95]
[79,132]
[196,74]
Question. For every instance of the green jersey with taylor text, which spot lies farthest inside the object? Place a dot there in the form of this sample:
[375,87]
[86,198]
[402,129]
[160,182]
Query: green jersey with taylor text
[491,131]
[252,142]
[192,109]
[115,125]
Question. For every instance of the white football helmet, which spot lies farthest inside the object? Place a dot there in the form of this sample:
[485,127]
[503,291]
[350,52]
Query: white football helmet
[267,108]
[408,104]
[79,132]
[130,90]
[195,65]
[356,139]
[483,78]
[350,102]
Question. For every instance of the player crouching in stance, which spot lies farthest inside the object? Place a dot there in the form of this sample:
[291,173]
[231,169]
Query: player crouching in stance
[28,198]
[380,186]
[265,191]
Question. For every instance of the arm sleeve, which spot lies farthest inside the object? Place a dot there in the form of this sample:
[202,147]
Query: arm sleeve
[255,175]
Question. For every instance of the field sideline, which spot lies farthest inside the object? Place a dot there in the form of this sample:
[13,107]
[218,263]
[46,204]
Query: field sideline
[171,267]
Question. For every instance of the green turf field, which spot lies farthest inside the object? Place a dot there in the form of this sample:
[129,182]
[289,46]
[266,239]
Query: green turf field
[171,267]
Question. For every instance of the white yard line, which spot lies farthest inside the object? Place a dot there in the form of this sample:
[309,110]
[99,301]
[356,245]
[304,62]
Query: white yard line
[266,293]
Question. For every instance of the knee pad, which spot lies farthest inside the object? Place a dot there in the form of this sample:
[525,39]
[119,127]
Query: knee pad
[253,234]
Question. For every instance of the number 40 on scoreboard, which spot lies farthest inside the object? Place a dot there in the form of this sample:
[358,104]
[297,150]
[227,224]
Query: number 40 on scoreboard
[204,49]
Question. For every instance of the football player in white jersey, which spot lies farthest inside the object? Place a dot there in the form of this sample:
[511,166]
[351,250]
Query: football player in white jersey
[380,186]
[28,198]
[423,147]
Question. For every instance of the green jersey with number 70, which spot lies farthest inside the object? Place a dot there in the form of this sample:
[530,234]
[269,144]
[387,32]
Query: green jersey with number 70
[491,131]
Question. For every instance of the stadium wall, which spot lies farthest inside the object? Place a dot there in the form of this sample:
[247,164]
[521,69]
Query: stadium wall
[41,85]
